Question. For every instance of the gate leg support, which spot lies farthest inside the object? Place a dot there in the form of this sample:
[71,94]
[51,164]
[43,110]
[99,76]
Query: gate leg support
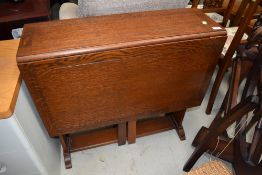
[177,118]
[122,133]
[65,141]
[131,132]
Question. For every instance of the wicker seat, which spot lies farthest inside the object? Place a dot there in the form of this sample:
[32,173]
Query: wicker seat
[211,168]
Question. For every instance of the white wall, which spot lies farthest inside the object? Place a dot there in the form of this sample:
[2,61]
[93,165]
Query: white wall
[25,147]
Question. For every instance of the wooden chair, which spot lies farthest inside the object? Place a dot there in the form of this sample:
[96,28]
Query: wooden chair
[239,9]
[244,156]
[226,59]
[229,9]
[213,7]
[245,60]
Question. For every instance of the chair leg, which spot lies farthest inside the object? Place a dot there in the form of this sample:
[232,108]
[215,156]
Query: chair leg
[239,66]
[240,12]
[254,119]
[228,12]
[235,114]
[251,83]
[215,88]
[234,84]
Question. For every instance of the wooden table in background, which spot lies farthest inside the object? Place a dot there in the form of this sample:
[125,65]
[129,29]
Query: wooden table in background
[15,15]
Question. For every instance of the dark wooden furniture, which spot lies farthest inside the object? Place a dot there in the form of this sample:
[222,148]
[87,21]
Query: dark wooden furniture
[215,6]
[102,71]
[244,156]
[15,15]
[230,9]
[227,59]
[238,14]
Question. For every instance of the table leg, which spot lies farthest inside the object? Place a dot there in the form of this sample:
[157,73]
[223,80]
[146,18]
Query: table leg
[177,118]
[65,141]
[132,132]
[122,133]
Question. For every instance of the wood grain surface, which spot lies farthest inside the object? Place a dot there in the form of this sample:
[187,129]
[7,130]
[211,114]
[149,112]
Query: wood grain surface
[85,91]
[101,87]
[9,77]
[84,35]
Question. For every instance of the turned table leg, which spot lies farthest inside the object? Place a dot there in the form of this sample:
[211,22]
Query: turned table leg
[65,141]
[131,132]
[122,133]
